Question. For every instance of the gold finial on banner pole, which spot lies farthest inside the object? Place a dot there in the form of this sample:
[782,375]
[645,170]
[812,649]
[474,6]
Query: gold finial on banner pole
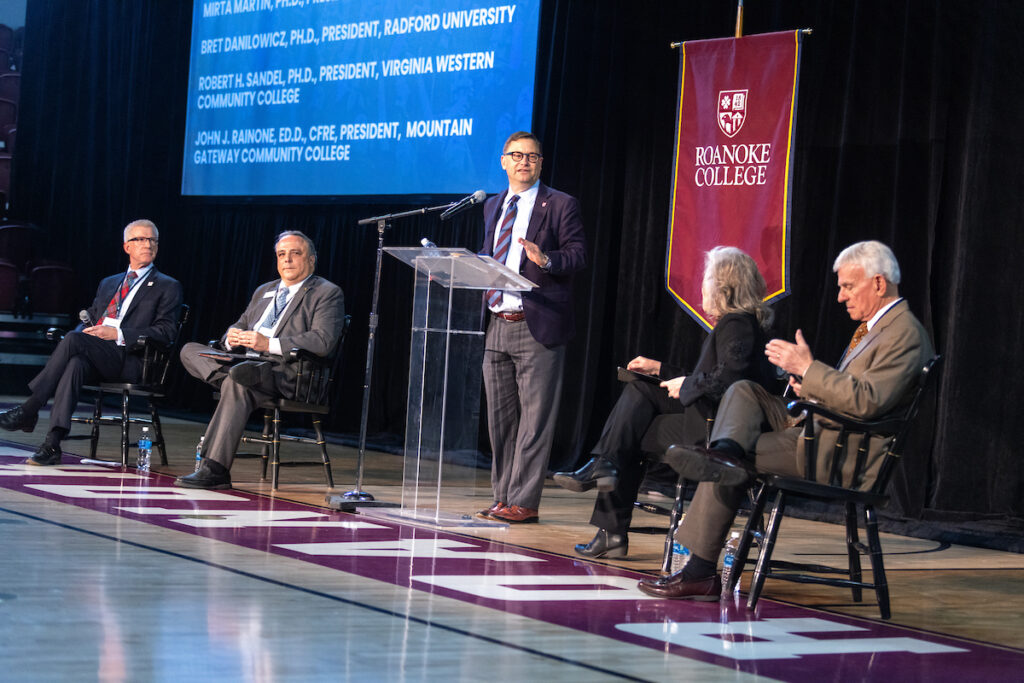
[739,18]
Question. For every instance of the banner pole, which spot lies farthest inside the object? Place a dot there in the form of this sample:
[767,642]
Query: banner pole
[739,18]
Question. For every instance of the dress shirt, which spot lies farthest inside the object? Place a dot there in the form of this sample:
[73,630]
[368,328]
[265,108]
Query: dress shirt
[273,342]
[141,274]
[512,301]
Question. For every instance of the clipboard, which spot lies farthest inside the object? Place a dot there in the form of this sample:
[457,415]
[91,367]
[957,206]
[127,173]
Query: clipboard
[625,375]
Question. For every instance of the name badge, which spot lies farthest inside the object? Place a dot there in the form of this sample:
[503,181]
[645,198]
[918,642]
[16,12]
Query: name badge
[111,322]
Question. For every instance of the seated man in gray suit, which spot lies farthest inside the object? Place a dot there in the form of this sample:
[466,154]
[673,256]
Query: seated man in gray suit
[300,310]
[874,379]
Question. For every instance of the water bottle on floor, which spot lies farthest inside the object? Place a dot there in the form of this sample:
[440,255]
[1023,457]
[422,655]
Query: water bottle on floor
[729,560]
[680,554]
[145,451]
[199,453]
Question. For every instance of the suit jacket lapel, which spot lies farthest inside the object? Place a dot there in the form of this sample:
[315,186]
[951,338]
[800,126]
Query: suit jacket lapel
[143,289]
[491,224]
[537,218]
[296,301]
[873,334]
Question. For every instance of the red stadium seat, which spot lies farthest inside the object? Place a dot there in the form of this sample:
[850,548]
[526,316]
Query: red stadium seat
[8,285]
[51,289]
[10,86]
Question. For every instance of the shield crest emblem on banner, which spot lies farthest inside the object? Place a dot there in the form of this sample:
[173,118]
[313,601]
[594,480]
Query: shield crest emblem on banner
[732,110]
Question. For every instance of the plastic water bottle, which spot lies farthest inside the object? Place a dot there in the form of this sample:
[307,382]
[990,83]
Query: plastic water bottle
[680,556]
[199,453]
[145,450]
[730,558]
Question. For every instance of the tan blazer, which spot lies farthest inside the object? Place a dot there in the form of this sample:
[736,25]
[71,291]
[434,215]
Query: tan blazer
[874,381]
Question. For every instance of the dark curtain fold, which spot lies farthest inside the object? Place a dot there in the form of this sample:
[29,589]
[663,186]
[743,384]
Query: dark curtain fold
[907,132]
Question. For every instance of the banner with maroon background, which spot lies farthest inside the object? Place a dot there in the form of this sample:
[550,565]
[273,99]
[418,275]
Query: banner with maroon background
[733,162]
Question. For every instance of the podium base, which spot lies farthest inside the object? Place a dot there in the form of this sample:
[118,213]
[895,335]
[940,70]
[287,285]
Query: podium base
[352,500]
[434,518]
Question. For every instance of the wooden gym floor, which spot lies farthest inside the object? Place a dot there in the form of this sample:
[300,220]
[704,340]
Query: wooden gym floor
[111,576]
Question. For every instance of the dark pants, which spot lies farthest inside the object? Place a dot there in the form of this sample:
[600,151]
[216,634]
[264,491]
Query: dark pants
[631,430]
[79,359]
[743,417]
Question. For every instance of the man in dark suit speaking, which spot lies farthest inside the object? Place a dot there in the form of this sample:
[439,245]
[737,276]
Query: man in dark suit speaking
[300,310]
[537,232]
[141,302]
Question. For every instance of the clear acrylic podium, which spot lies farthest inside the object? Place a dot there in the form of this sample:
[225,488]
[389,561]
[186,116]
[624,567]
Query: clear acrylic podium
[445,360]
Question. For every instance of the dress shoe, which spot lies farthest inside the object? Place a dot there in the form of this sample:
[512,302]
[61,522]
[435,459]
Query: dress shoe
[604,544]
[676,587]
[487,513]
[513,514]
[45,455]
[697,463]
[598,472]
[206,478]
[251,373]
[16,418]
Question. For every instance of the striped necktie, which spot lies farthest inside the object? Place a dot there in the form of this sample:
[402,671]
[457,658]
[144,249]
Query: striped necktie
[504,244]
[114,307]
[279,305]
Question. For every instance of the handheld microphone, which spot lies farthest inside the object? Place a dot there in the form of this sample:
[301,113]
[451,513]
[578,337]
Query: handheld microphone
[427,243]
[463,204]
[86,319]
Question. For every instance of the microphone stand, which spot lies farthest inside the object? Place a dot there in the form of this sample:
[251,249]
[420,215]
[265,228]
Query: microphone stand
[357,496]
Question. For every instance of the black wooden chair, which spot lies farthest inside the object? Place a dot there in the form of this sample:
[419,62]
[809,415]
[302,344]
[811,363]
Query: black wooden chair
[869,495]
[156,361]
[649,445]
[315,376]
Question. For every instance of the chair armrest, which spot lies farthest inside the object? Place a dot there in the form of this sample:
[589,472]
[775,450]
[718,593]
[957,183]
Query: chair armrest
[890,426]
[55,334]
[297,354]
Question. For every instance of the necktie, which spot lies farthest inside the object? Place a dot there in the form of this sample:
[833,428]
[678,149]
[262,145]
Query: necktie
[504,243]
[114,307]
[858,334]
[279,304]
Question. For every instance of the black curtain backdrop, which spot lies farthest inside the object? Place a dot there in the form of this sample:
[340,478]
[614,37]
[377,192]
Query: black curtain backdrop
[908,131]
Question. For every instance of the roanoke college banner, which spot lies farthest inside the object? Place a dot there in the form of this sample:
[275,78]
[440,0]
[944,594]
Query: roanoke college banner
[733,159]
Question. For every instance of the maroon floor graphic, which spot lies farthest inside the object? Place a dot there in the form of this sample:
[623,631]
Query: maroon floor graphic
[784,642]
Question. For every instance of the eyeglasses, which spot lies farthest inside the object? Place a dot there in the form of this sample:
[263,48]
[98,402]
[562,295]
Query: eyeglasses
[152,240]
[532,157]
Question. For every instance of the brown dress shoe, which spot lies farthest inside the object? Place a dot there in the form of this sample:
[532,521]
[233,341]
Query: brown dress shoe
[676,587]
[513,514]
[487,513]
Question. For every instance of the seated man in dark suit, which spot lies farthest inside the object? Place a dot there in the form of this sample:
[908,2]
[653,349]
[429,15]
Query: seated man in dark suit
[141,302]
[874,379]
[300,310]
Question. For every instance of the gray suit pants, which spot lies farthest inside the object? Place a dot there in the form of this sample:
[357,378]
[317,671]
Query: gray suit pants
[523,384]
[743,418]
[236,403]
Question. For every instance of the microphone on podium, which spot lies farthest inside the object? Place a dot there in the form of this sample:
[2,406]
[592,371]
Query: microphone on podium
[463,204]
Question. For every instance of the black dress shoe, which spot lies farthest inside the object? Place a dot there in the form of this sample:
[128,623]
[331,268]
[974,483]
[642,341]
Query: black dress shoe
[697,463]
[606,545]
[16,418]
[45,455]
[675,587]
[598,472]
[251,373]
[206,478]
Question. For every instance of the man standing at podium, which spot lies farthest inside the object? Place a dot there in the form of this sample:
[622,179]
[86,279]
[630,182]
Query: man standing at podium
[537,232]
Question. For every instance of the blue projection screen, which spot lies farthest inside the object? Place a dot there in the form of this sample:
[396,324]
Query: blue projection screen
[347,97]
